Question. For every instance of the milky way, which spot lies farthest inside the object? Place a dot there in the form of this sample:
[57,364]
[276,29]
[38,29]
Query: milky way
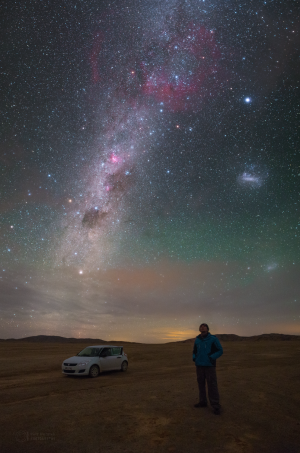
[150,167]
[174,70]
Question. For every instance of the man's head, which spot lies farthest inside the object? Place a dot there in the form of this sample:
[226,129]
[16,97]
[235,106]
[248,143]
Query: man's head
[203,330]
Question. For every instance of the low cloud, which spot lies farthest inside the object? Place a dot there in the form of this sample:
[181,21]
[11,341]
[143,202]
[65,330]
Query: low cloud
[162,293]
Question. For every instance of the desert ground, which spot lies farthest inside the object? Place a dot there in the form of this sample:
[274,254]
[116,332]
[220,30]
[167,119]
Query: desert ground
[150,408]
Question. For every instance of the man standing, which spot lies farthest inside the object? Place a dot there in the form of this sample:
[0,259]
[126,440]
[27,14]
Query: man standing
[207,349]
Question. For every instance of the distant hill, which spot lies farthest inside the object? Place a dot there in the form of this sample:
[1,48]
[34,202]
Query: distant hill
[222,337]
[55,339]
[58,339]
[263,337]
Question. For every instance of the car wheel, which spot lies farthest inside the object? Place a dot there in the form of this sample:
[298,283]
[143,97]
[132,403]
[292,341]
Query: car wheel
[94,371]
[124,366]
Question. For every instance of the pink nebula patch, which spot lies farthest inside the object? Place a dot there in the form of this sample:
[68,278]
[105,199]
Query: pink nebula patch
[115,159]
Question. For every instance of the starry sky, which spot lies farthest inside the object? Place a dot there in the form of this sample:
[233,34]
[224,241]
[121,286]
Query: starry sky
[150,168]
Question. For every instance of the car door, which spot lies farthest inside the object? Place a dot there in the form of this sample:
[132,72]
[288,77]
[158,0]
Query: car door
[117,354]
[104,359]
[108,361]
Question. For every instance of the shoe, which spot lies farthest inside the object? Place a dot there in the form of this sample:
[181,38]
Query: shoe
[217,411]
[200,405]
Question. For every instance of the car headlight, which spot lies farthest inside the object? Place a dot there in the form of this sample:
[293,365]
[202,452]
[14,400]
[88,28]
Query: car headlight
[83,363]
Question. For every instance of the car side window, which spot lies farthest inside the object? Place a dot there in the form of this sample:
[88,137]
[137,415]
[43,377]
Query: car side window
[105,352]
[116,351]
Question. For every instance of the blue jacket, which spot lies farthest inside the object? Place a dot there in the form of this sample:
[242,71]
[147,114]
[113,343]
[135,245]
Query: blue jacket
[207,350]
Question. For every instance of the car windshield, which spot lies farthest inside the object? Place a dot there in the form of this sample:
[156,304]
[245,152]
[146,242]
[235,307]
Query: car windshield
[89,352]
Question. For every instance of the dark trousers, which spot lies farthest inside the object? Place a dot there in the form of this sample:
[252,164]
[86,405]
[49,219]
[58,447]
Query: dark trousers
[208,374]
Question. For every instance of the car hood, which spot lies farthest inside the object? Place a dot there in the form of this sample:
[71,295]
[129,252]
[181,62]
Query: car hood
[76,359]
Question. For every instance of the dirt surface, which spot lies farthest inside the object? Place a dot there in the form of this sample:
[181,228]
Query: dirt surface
[150,408]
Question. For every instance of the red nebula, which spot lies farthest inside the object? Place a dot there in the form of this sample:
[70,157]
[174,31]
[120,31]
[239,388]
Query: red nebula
[96,49]
[177,72]
[187,67]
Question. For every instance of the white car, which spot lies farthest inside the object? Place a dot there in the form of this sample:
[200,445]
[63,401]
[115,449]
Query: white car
[92,360]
